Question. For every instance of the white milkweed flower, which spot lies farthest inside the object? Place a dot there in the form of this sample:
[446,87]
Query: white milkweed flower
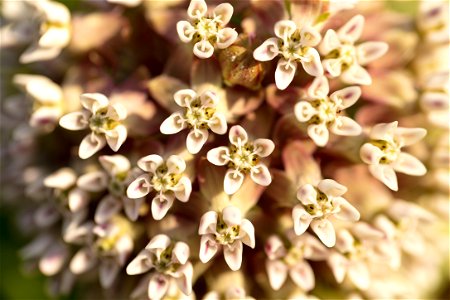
[166,178]
[199,115]
[226,229]
[207,31]
[283,261]
[384,156]
[433,21]
[103,119]
[293,45]
[168,259]
[321,112]
[318,204]
[242,156]
[341,58]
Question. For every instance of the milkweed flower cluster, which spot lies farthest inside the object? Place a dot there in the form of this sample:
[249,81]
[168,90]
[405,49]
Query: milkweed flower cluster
[193,149]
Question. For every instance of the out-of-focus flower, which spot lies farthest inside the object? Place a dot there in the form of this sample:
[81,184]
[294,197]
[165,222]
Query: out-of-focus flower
[103,119]
[232,293]
[282,261]
[166,178]
[322,112]
[342,58]
[294,45]
[433,20]
[130,3]
[384,156]
[226,229]
[435,99]
[199,115]
[168,259]
[206,30]
[318,203]
[242,156]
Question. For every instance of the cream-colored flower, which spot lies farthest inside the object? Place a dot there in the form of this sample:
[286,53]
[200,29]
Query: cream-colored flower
[435,99]
[293,45]
[384,156]
[226,229]
[103,119]
[207,30]
[166,178]
[242,156]
[433,21]
[199,115]
[321,112]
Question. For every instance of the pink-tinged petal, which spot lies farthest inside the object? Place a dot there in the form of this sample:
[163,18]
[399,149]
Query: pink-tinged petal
[218,156]
[124,246]
[107,207]
[183,189]
[150,163]
[331,188]
[365,231]
[196,139]
[309,36]
[330,42]
[312,65]
[223,13]
[159,242]
[338,265]
[185,31]
[77,199]
[158,284]
[238,136]
[75,121]
[284,28]
[333,66]
[434,101]
[226,37]
[403,209]
[347,96]
[409,136]
[370,154]
[267,50]
[139,188]
[209,99]
[358,273]
[236,292]
[307,194]
[385,174]
[53,260]
[173,124]
[208,248]
[90,145]
[197,9]
[274,248]
[408,164]
[277,272]
[233,255]
[313,249]
[351,31]
[260,174]
[46,215]
[370,51]
[319,134]
[345,241]
[116,137]
[301,219]
[284,74]
[62,179]
[263,147]
[140,264]
[132,207]
[218,123]
[208,223]
[184,97]
[347,212]
[93,182]
[232,181]
[175,164]
[184,282]
[304,111]
[117,112]
[303,276]
[346,127]
[181,252]
[115,164]
[247,228]
[319,88]
[384,131]
[203,49]
[356,75]
[161,205]
[108,271]
[325,231]
[83,261]
[232,216]
[94,101]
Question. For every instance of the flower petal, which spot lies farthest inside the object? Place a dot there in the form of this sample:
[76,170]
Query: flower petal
[260,174]
[209,99]
[233,255]
[159,242]
[75,120]
[208,223]
[274,248]
[319,134]
[208,248]
[185,31]
[223,12]
[408,164]
[325,231]
[83,261]
[77,199]
[277,272]
[338,265]
[175,164]
[248,229]
[116,137]
[181,252]
[183,189]
[218,156]
[203,49]
[197,9]
[161,205]
[184,97]
[195,140]
[370,154]
[345,126]
[232,216]
[409,136]
[53,260]
[62,179]
[303,276]
[116,112]
[115,164]
[233,181]
[309,36]
[385,174]
[284,28]
[139,188]
[94,101]
[158,284]
[352,30]
[91,144]
[313,65]
[307,194]
[347,96]
[330,42]
[238,136]
[347,212]
[267,50]
[384,131]
[93,181]
[184,282]
[304,111]
[301,219]
[358,273]
[150,163]
[226,37]
[370,51]
[107,208]
[319,88]
[263,147]
[132,207]
[218,123]
[173,124]
[331,188]
[356,74]
[108,271]
[333,66]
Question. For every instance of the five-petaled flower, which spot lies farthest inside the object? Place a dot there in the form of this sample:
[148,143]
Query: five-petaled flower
[384,156]
[318,203]
[206,30]
[321,112]
[228,230]
[199,115]
[166,178]
[168,259]
[103,119]
[342,58]
[294,46]
[242,156]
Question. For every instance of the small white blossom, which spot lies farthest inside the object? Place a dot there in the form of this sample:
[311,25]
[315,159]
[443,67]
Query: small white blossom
[384,156]
[242,156]
[341,58]
[207,31]
[169,260]
[293,45]
[321,112]
[103,119]
[166,178]
[228,230]
[199,115]
[318,203]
